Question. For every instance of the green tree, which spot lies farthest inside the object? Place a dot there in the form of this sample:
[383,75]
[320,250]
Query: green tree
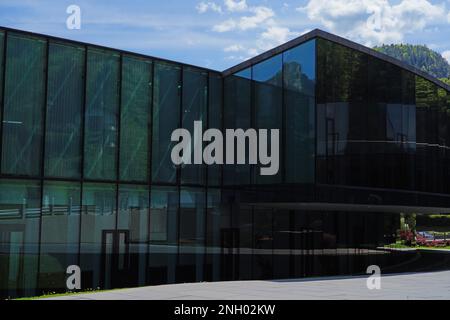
[419,56]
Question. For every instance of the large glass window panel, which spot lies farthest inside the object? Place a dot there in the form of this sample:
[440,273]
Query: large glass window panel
[195,102]
[2,59]
[60,227]
[215,122]
[192,235]
[219,251]
[262,243]
[163,234]
[268,97]
[19,237]
[134,218]
[135,119]
[428,170]
[283,239]
[97,220]
[23,106]
[65,100]
[241,238]
[299,96]
[237,115]
[102,106]
[166,118]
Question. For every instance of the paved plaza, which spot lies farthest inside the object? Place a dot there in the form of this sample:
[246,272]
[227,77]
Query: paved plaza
[433,285]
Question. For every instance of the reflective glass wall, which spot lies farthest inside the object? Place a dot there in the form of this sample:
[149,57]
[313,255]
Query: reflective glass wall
[86,171]
[277,93]
[378,125]
[86,176]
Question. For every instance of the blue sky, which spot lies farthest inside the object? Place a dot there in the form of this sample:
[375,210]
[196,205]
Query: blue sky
[221,33]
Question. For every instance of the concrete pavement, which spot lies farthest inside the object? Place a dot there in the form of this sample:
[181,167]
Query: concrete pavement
[432,285]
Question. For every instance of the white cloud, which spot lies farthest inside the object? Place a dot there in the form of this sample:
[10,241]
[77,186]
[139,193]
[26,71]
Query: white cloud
[203,7]
[261,14]
[276,33]
[225,26]
[245,18]
[234,48]
[236,6]
[374,21]
[446,55]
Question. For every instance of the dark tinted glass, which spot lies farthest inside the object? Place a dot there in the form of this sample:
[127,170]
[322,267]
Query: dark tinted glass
[195,102]
[135,119]
[237,115]
[166,118]
[134,218]
[65,100]
[215,119]
[263,243]
[366,120]
[98,216]
[218,221]
[192,235]
[163,234]
[299,96]
[24,104]
[2,59]
[60,232]
[102,107]
[268,82]
[19,235]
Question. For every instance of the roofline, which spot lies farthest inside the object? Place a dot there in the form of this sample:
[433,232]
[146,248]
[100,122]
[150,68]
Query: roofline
[100,47]
[317,33]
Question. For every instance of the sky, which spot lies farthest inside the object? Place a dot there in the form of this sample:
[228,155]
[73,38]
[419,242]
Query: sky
[218,34]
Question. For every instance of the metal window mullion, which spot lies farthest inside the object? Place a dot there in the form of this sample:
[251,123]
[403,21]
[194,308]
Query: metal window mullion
[83,129]
[180,125]
[283,123]
[42,158]
[119,117]
[149,173]
[3,105]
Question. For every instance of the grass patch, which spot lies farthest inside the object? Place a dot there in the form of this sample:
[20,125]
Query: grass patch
[402,246]
[63,294]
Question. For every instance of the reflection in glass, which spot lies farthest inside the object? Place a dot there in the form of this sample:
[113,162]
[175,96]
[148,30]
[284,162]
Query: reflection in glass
[60,227]
[192,235]
[166,118]
[102,106]
[215,118]
[64,111]
[23,105]
[299,96]
[268,82]
[195,102]
[98,216]
[237,114]
[135,119]
[19,236]
[134,218]
[163,234]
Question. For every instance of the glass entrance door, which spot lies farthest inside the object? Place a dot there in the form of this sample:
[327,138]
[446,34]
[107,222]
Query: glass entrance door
[115,258]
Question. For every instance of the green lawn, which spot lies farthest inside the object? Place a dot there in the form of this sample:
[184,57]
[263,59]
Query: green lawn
[402,246]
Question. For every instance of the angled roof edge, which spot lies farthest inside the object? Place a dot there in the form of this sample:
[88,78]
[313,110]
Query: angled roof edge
[101,47]
[263,56]
[317,33]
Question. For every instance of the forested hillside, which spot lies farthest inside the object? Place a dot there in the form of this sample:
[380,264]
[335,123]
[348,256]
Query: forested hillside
[420,57]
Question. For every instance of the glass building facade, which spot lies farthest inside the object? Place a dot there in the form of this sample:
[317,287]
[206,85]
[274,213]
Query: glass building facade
[86,176]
